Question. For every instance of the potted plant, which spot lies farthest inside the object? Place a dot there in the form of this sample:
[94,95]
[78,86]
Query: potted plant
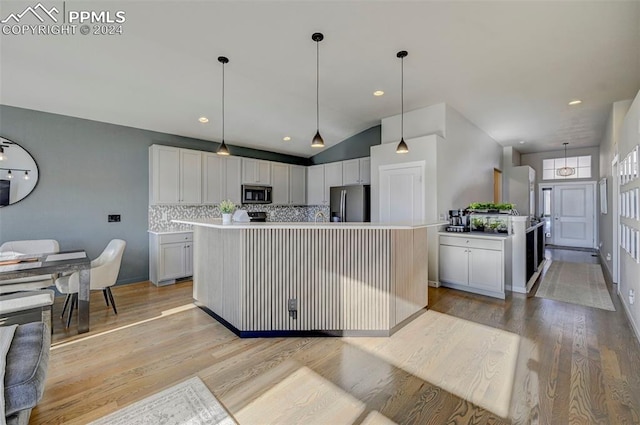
[477,223]
[505,208]
[227,208]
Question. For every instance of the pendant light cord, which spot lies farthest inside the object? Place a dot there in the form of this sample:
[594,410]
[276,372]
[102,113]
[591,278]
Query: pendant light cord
[402,98]
[318,85]
[223,102]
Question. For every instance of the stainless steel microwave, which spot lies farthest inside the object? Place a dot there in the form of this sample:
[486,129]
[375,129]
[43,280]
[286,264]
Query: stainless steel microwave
[256,194]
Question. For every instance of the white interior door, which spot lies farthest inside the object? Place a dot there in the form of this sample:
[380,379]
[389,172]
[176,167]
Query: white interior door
[573,215]
[402,194]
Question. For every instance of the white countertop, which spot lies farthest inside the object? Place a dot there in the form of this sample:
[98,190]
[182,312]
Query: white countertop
[476,235]
[217,223]
[168,231]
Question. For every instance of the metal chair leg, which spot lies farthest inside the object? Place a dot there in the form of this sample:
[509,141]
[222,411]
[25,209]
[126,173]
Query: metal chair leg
[66,304]
[74,303]
[113,303]
[106,298]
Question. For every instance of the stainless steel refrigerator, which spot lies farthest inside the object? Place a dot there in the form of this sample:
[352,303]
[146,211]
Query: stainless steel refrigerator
[350,203]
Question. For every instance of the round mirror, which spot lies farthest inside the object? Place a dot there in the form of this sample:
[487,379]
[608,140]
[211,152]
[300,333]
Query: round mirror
[18,173]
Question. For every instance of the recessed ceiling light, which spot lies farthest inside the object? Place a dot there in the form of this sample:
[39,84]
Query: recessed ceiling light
[203,120]
[522,142]
[286,138]
[575,102]
[378,93]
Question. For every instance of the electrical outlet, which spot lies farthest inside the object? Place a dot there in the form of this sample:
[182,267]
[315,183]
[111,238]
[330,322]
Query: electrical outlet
[608,257]
[632,296]
[292,305]
[113,218]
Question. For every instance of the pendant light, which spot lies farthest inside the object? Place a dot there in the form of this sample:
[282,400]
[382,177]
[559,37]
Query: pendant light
[223,150]
[9,174]
[565,171]
[402,146]
[317,141]
[1,153]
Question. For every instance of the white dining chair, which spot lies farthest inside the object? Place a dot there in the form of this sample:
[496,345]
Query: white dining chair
[104,273]
[32,283]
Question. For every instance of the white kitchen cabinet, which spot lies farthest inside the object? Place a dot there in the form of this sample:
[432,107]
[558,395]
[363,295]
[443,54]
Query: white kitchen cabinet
[175,175]
[474,263]
[297,185]
[280,183]
[220,179]
[255,171]
[320,178]
[170,257]
[356,171]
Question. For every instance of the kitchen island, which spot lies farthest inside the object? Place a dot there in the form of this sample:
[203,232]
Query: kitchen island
[281,279]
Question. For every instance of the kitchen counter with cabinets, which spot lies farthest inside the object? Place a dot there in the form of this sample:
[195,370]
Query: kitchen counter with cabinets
[267,279]
[170,255]
[475,262]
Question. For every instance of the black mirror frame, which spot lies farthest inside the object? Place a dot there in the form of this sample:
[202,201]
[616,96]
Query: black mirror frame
[5,141]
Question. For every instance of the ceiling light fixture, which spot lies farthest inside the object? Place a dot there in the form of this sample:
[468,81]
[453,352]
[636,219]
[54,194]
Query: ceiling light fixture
[378,93]
[286,138]
[522,142]
[575,102]
[203,120]
[565,171]
[402,146]
[1,153]
[9,175]
[10,172]
[317,141]
[223,150]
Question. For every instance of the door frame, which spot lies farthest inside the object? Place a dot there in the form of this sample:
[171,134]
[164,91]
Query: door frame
[555,185]
[615,193]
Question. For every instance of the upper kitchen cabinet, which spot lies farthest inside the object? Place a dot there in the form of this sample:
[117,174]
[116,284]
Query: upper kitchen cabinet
[220,178]
[255,171]
[320,178]
[280,183]
[297,185]
[175,175]
[356,171]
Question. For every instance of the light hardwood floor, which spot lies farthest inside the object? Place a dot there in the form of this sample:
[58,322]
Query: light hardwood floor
[576,365]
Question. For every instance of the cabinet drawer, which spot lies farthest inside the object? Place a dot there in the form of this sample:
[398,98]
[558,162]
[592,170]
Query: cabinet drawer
[471,242]
[176,237]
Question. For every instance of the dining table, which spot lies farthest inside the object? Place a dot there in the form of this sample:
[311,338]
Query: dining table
[26,265]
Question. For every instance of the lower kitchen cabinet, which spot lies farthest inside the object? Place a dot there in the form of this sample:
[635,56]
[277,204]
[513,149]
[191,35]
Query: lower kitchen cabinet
[475,263]
[170,257]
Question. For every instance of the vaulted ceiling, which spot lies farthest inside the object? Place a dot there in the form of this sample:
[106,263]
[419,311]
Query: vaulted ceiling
[509,67]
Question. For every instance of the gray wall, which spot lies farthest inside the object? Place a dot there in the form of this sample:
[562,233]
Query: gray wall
[357,146]
[89,169]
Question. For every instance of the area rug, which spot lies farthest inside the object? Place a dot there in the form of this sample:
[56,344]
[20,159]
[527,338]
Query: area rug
[576,283]
[189,402]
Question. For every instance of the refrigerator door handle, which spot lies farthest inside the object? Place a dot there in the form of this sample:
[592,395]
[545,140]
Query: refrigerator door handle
[343,202]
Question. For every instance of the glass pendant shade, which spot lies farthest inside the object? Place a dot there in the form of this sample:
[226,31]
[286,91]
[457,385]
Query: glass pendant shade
[565,171]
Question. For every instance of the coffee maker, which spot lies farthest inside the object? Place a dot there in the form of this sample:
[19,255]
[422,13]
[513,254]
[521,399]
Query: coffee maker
[458,221]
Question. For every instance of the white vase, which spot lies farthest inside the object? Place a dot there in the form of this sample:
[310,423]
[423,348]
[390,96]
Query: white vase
[226,218]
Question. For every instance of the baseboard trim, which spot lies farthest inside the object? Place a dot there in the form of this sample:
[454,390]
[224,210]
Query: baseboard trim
[635,329]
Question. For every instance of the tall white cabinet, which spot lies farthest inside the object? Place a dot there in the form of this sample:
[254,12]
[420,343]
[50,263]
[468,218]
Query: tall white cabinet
[297,185]
[175,175]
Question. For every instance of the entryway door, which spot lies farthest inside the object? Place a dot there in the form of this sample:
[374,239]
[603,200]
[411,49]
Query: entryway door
[572,214]
[402,193]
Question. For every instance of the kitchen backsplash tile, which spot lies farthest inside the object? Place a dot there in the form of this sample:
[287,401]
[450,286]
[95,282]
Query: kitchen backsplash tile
[160,216]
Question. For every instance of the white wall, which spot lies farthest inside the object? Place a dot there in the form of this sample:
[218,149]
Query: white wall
[608,151]
[459,165]
[629,269]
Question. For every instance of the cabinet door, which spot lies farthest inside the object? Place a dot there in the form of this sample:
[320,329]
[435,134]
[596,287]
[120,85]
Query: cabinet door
[190,177]
[263,171]
[165,175]
[454,264]
[485,269]
[297,185]
[351,171]
[365,170]
[249,175]
[233,179]
[280,194]
[315,185]
[172,261]
[332,177]
[212,178]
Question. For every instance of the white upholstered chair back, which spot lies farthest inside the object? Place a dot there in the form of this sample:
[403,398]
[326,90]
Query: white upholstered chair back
[35,246]
[104,269]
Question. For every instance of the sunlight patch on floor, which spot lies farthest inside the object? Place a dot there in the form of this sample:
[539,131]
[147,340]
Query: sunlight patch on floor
[474,362]
[163,314]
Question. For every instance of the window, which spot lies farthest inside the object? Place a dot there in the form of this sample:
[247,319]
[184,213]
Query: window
[582,164]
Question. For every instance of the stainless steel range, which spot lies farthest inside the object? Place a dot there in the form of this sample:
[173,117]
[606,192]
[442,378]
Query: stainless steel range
[257,216]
